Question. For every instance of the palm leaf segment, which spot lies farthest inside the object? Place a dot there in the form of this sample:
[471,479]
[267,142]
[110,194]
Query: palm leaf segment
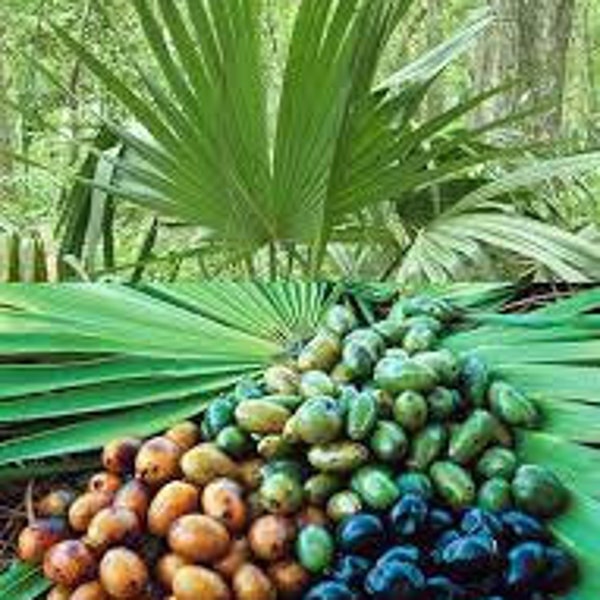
[141,360]
[112,361]
[214,147]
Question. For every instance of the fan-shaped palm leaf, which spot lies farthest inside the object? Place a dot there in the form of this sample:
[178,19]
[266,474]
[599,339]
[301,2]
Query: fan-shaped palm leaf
[208,153]
[137,360]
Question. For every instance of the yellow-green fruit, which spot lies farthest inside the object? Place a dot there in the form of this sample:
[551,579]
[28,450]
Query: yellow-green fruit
[261,417]
[512,406]
[281,494]
[472,437]
[427,446]
[453,483]
[316,383]
[320,487]
[318,420]
[281,379]
[206,462]
[495,495]
[321,353]
[362,415]
[340,457]
[343,504]
[410,411]
[497,462]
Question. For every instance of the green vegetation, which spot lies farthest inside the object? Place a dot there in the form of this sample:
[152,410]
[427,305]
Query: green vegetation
[360,139]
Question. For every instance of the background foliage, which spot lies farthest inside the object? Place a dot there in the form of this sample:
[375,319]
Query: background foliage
[56,127]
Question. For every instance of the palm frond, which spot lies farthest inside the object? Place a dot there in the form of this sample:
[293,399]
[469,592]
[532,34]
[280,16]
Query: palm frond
[114,360]
[22,582]
[552,355]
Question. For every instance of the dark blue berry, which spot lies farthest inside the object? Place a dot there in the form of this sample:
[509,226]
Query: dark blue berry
[395,581]
[526,566]
[331,590]
[351,570]
[361,534]
[408,516]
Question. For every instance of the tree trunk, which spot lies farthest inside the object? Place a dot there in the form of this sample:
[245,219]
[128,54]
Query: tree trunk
[530,40]
[6,128]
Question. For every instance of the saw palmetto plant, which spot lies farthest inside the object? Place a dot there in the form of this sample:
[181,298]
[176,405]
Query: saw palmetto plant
[275,177]
[81,365]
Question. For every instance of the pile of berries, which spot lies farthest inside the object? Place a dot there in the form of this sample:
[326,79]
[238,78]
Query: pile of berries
[422,551]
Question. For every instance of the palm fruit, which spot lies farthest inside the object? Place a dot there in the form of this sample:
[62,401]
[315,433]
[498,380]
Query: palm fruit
[39,536]
[419,337]
[233,440]
[340,320]
[338,457]
[411,411]
[69,563]
[453,483]
[508,404]
[369,340]
[472,437]
[281,379]
[112,525]
[474,379]
[539,491]
[495,495]
[158,461]
[343,504]
[442,363]
[223,500]
[315,549]
[362,415]
[318,420]
[357,362]
[261,416]
[194,582]
[271,537]
[441,404]
[320,487]
[172,501]
[123,573]
[281,494]
[219,414]
[388,442]
[321,353]
[119,455]
[206,462]
[185,434]
[56,503]
[396,375]
[375,486]
[199,538]
[251,583]
[497,462]
[316,383]
[427,446]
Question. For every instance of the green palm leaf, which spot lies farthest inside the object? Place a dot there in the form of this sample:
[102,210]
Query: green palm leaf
[114,360]
[163,351]
[213,148]
[552,356]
